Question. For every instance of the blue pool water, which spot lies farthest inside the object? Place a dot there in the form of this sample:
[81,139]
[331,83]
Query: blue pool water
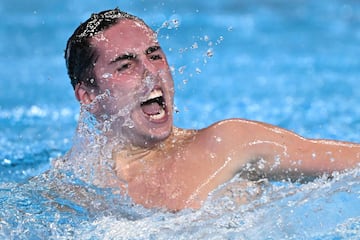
[294,64]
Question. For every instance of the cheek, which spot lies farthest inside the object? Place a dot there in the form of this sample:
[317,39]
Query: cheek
[122,101]
[165,75]
[169,82]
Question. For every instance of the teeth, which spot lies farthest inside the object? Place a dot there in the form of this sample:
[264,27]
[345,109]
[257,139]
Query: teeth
[154,94]
[160,115]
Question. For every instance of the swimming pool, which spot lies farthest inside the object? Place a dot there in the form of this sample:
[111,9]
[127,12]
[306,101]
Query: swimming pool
[292,64]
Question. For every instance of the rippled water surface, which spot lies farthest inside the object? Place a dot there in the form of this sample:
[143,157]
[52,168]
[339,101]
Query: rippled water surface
[294,64]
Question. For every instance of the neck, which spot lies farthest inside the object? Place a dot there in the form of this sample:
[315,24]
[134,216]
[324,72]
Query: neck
[126,156]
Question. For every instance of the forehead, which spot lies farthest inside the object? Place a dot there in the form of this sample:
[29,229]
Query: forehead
[126,35]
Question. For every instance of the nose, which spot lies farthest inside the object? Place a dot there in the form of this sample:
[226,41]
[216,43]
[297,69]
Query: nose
[149,67]
[150,74]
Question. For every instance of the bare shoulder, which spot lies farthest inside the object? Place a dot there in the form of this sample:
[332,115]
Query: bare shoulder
[231,125]
[222,136]
[238,125]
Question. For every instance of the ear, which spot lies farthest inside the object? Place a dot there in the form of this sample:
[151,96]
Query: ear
[84,94]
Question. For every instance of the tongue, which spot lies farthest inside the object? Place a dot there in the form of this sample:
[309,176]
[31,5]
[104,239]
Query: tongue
[151,108]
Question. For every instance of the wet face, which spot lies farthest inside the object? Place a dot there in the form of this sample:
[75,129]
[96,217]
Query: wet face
[135,83]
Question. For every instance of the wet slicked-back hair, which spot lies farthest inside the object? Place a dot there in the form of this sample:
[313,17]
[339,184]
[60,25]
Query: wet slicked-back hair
[80,55]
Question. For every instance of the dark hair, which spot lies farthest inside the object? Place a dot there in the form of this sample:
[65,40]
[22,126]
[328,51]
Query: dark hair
[80,55]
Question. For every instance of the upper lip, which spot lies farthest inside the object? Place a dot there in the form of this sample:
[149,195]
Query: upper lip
[156,95]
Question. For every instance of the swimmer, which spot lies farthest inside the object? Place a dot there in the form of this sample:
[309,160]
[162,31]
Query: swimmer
[121,76]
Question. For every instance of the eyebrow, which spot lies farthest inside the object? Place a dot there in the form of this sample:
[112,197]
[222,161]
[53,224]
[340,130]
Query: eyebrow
[129,56]
[152,49]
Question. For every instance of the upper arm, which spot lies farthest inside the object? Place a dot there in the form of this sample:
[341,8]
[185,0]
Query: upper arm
[274,151]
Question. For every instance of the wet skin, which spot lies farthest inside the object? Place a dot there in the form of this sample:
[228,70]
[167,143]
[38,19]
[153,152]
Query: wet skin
[167,167]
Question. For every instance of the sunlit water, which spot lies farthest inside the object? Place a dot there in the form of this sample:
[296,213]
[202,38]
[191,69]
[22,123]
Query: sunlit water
[293,64]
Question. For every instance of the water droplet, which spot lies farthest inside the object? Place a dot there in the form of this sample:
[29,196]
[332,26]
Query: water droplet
[221,38]
[165,24]
[176,23]
[105,75]
[195,45]
[181,69]
[210,52]
[7,161]
[176,109]
[261,163]
[172,69]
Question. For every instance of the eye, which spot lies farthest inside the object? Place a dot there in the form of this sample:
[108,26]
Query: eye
[156,57]
[124,67]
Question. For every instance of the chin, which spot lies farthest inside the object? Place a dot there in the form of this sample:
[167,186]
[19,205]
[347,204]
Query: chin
[148,130]
[156,136]
[145,134]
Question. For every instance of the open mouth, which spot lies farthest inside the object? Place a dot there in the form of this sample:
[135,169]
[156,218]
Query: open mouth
[154,106]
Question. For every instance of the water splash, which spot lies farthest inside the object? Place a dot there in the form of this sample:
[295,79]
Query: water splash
[282,211]
[57,204]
